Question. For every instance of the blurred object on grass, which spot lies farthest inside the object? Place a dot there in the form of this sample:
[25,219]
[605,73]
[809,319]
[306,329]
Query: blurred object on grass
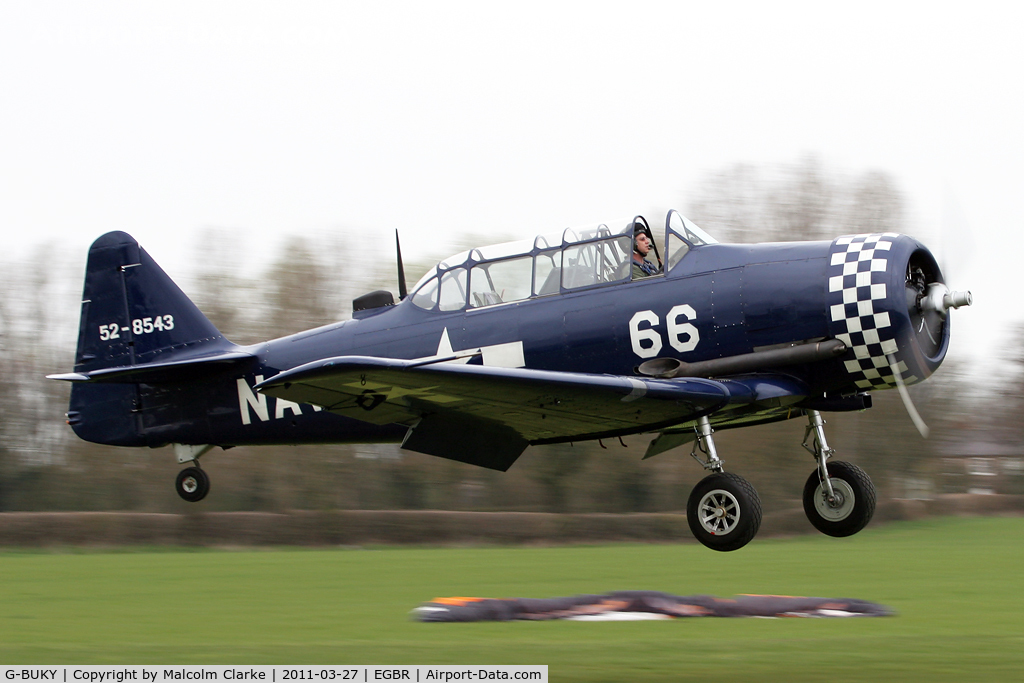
[954,582]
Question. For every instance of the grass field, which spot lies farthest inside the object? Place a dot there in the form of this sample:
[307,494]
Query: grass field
[957,584]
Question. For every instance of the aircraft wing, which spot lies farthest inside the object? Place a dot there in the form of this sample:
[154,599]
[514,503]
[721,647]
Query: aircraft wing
[487,415]
[755,399]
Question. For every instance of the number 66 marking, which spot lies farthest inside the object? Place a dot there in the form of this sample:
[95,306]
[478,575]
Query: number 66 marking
[682,336]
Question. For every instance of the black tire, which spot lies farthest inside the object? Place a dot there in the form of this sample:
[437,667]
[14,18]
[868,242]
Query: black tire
[848,517]
[724,511]
[192,484]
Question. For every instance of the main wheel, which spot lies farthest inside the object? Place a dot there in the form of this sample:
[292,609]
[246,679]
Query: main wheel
[853,505]
[192,484]
[724,511]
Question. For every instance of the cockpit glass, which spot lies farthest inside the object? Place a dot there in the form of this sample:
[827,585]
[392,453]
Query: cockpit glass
[456,260]
[689,230]
[549,240]
[499,282]
[682,235]
[677,249]
[547,272]
[453,290]
[426,276]
[696,234]
[426,294]
[549,263]
[596,262]
[498,251]
[572,235]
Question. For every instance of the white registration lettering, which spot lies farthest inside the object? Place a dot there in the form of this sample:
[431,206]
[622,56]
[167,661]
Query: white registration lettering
[110,331]
[142,326]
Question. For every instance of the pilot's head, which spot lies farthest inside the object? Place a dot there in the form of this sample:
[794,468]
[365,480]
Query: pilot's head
[641,240]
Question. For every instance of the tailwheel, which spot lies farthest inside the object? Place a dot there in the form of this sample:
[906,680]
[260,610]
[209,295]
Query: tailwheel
[192,484]
[724,511]
[848,509]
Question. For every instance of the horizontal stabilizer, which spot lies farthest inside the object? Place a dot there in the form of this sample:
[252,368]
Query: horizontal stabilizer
[182,370]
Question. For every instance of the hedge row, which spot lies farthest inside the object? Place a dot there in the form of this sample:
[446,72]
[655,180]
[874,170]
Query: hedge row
[416,527]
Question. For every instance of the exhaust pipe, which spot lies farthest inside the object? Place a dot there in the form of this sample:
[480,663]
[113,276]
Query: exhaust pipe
[667,368]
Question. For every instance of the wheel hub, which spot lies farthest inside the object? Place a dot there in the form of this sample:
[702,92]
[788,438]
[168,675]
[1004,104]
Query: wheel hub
[719,512]
[840,505]
[835,501]
[189,484]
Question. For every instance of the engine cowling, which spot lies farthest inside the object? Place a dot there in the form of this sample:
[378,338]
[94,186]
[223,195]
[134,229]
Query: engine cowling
[888,302]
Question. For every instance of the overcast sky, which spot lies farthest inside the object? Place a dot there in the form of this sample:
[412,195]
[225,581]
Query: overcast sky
[500,118]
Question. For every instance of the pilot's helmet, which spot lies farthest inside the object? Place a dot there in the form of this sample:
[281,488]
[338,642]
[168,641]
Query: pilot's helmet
[640,229]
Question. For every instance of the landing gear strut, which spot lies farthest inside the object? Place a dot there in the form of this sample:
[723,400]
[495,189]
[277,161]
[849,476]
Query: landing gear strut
[724,510]
[839,498]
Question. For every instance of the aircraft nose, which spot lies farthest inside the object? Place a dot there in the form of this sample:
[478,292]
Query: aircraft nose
[928,302]
[889,302]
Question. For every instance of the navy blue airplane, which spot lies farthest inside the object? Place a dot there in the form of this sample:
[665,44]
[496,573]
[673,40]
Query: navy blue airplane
[564,338]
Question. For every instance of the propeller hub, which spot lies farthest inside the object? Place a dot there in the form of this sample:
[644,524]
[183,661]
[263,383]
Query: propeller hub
[938,298]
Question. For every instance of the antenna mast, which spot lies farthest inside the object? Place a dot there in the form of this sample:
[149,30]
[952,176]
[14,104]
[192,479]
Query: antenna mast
[403,291]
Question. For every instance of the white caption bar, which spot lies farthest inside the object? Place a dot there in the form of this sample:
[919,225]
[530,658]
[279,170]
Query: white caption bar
[420,673]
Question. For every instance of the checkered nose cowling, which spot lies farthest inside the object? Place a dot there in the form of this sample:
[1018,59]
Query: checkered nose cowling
[868,309]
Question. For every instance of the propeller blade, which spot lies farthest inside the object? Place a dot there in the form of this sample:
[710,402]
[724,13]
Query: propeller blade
[957,239]
[915,417]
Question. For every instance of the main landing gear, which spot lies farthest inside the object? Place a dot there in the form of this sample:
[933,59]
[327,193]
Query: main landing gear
[192,483]
[839,498]
[724,510]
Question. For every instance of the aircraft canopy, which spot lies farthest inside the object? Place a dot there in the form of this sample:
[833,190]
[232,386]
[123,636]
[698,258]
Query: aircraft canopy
[548,264]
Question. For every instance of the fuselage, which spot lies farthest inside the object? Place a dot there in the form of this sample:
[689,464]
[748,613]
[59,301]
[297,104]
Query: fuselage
[715,301]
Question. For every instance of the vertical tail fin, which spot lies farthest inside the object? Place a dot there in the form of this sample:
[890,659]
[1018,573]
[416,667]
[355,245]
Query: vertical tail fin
[133,313]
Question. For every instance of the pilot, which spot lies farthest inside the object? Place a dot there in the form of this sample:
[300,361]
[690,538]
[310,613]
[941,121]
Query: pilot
[641,267]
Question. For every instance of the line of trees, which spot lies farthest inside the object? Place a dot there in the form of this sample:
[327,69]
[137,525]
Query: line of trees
[43,466]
